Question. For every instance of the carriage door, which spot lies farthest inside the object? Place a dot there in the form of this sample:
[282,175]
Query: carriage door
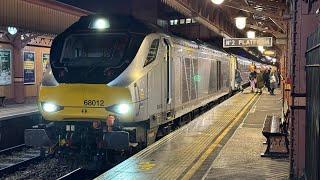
[219,78]
[168,76]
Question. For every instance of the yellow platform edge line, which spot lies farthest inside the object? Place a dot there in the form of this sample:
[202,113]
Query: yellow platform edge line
[213,146]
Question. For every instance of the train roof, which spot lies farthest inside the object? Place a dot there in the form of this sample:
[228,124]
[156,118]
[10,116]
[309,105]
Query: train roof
[118,23]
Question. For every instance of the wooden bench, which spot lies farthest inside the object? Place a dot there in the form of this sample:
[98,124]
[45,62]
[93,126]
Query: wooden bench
[2,101]
[277,137]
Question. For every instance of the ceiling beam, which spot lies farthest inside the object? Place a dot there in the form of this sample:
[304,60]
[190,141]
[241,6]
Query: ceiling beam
[217,22]
[277,5]
[276,34]
[252,10]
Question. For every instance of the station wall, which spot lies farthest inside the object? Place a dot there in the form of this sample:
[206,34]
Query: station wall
[31,90]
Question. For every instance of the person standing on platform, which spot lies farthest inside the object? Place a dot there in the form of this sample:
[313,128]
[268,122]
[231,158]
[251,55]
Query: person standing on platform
[266,79]
[252,79]
[274,79]
[260,83]
[238,80]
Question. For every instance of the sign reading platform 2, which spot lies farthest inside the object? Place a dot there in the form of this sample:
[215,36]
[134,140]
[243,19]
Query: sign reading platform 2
[247,42]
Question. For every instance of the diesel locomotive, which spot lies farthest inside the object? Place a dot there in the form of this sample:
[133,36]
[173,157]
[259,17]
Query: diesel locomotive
[115,83]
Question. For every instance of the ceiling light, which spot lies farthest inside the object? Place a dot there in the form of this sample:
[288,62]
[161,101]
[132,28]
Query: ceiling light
[217,1]
[12,30]
[251,34]
[241,20]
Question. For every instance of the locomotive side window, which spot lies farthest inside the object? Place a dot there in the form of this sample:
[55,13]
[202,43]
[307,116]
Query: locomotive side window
[152,54]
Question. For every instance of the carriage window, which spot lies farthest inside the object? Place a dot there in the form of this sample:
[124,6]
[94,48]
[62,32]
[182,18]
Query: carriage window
[152,54]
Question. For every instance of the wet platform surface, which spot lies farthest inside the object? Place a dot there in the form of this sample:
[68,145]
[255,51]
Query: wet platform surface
[240,157]
[224,143]
[17,110]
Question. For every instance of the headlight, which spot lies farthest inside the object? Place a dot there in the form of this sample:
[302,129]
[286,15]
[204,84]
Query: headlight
[50,107]
[122,108]
[119,108]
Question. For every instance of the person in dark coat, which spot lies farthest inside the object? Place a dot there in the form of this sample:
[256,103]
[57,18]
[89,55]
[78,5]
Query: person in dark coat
[238,80]
[274,79]
[266,79]
[260,83]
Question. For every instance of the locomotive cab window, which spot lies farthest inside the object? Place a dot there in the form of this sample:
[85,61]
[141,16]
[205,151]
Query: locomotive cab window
[152,54]
[81,50]
[96,58]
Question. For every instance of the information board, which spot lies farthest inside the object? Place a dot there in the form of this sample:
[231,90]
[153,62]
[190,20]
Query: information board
[45,61]
[247,42]
[29,68]
[5,66]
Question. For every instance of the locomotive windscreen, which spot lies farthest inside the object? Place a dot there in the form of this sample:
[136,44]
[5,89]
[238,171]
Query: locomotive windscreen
[95,58]
[98,50]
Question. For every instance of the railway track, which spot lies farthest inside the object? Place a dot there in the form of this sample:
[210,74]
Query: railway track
[21,162]
[17,157]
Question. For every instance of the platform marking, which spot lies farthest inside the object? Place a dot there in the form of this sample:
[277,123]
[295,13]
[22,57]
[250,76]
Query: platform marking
[145,166]
[213,146]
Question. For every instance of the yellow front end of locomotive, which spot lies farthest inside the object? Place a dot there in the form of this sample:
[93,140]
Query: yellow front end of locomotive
[84,102]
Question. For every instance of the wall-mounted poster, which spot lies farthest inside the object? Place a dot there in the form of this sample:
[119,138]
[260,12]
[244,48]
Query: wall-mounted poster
[45,61]
[29,68]
[5,66]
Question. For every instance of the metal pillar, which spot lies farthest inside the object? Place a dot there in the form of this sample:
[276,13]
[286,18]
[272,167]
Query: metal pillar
[19,89]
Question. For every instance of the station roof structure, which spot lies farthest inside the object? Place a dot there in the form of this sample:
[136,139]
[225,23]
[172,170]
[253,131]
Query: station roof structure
[41,16]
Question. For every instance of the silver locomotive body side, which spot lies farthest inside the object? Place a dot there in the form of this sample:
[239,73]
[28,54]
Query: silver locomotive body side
[182,77]
[175,77]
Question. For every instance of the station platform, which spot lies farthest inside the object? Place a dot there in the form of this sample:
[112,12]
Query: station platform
[12,111]
[223,143]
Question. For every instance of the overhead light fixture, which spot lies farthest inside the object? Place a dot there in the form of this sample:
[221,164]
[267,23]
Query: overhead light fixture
[251,34]
[218,2]
[269,53]
[261,48]
[241,21]
[12,30]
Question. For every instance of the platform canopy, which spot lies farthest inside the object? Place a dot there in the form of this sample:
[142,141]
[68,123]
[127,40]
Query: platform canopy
[41,16]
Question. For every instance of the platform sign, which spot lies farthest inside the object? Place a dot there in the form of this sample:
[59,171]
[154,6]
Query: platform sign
[45,61]
[247,42]
[5,66]
[29,67]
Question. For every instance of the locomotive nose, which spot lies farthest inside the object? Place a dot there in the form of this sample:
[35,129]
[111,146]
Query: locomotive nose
[84,101]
